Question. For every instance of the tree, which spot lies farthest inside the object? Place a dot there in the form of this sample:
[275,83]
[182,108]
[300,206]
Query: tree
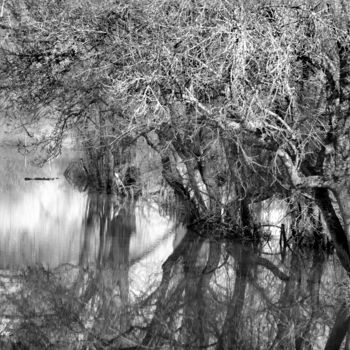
[234,78]
[240,100]
[265,85]
[55,69]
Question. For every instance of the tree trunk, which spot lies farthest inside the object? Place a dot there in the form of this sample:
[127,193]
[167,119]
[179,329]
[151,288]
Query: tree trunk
[343,198]
[335,227]
[339,329]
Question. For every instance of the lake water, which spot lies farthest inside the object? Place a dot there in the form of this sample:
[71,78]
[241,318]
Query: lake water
[85,271]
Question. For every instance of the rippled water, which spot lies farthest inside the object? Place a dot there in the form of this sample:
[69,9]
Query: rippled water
[86,271]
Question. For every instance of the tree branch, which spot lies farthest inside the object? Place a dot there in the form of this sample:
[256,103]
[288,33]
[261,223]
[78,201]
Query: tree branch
[298,180]
[273,268]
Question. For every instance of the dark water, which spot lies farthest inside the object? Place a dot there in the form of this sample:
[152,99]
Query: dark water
[85,271]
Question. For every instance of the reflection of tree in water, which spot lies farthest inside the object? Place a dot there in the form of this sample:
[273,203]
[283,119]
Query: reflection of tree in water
[299,303]
[182,276]
[115,224]
[204,309]
[210,295]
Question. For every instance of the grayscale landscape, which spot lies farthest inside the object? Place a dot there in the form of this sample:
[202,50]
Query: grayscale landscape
[174,174]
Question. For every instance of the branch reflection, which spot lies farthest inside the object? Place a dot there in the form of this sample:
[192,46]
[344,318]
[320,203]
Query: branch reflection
[126,293]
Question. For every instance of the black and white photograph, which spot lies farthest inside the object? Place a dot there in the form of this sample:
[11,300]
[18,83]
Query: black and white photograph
[175,174]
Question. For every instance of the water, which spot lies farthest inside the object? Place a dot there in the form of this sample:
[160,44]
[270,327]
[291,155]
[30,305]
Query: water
[86,271]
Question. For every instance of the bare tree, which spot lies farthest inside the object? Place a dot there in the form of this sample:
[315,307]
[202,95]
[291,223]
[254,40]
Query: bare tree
[240,100]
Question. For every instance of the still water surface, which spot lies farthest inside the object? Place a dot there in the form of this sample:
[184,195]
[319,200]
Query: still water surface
[85,271]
